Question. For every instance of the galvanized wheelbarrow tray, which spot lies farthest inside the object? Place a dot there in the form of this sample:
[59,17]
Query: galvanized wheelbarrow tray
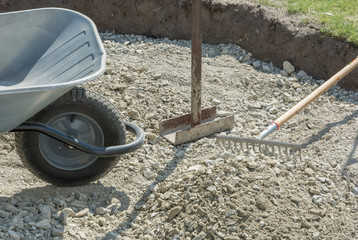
[64,134]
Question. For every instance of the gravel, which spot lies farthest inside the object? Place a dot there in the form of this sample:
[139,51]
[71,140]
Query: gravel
[198,190]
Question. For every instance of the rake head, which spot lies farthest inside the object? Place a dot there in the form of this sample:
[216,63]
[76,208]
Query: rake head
[267,147]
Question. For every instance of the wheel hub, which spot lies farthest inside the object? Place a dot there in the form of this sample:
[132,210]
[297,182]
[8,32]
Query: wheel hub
[62,155]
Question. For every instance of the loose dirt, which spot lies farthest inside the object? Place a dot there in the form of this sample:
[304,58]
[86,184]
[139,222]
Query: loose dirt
[198,190]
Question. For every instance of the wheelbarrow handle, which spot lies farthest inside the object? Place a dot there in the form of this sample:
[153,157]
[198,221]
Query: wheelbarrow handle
[82,146]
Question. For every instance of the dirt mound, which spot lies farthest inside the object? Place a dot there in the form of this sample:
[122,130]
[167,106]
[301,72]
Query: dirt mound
[269,34]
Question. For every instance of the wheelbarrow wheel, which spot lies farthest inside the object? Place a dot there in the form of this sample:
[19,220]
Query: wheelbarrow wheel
[81,114]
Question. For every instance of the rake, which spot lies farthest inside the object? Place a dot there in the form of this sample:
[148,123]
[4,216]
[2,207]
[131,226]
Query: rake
[269,147]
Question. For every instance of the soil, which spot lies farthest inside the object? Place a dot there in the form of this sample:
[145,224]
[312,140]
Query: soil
[199,190]
[269,34]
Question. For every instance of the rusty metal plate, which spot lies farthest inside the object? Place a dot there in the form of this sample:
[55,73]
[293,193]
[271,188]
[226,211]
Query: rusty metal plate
[184,121]
[183,133]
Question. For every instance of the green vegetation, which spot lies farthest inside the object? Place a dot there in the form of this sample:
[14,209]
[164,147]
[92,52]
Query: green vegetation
[339,18]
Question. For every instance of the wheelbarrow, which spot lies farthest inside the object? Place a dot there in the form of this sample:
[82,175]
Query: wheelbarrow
[65,134]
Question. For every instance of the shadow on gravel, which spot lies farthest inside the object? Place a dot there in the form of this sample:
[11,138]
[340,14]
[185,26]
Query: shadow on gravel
[351,160]
[90,196]
[138,207]
[352,157]
[316,137]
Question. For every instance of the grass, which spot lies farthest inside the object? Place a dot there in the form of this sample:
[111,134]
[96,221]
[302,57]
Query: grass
[339,18]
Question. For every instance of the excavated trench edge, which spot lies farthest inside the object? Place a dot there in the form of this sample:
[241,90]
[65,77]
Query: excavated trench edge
[269,34]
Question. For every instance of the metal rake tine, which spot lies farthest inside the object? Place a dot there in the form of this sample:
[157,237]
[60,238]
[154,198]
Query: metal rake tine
[279,151]
[241,146]
[235,145]
[273,151]
[222,144]
[294,154]
[288,153]
[265,149]
[219,142]
[269,152]
[229,143]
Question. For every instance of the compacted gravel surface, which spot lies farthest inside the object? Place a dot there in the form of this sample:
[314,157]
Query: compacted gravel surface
[199,190]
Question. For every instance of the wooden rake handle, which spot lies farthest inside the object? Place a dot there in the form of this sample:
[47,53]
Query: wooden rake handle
[316,93]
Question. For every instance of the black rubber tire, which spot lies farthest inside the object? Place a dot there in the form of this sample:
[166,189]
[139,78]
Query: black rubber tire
[88,104]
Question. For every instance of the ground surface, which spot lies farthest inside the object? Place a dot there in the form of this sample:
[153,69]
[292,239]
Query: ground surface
[198,190]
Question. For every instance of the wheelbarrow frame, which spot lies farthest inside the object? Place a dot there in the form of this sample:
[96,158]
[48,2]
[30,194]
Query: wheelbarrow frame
[82,146]
[24,98]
